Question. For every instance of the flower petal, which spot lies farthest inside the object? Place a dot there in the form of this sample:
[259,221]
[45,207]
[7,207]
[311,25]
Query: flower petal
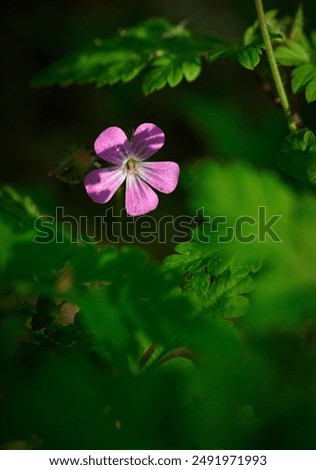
[139,198]
[101,184]
[162,176]
[112,145]
[147,140]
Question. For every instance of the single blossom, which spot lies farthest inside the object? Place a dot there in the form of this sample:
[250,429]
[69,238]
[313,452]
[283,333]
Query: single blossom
[129,163]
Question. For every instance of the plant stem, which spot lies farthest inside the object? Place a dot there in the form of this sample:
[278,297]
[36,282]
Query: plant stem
[274,67]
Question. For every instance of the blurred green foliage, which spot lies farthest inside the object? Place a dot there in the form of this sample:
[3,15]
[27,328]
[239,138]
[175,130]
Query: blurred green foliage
[103,347]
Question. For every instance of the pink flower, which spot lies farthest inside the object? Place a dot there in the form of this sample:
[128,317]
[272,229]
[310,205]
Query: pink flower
[129,164]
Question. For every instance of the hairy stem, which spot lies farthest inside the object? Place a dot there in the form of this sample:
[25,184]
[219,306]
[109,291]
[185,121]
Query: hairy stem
[274,67]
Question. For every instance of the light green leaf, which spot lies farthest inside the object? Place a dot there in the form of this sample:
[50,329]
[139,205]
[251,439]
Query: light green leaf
[301,76]
[292,54]
[174,76]
[249,57]
[297,32]
[155,80]
[299,52]
[191,69]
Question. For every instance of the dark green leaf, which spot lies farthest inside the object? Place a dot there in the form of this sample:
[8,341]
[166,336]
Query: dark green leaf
[298,156]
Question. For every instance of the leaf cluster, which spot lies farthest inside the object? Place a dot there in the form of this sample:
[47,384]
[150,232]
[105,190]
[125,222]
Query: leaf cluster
[167,53]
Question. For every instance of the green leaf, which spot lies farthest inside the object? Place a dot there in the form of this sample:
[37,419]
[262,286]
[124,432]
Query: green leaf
[292,54]
[251,34]
[155,80]
[298,156]
[249,54]
[191,69]
[301,76]
[249,57]
[304,78]
[297,32]
[298,52]
[164,52]
[277,28]
[225,297]
[311,90]
[175,76]
[197,284]
[213,280]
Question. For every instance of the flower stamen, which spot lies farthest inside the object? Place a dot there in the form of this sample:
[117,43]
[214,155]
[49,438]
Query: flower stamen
[131,166]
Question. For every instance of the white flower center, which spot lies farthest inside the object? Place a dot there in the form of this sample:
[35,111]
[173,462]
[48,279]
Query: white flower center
[131,166]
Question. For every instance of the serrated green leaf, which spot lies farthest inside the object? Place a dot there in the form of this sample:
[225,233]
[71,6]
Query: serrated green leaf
[298,156]
[167,51]
[301,76]
[155,80]
[292,54]
[218,265]
[213,278]
[197,284]
[297,51]
[237,306]
[231,281]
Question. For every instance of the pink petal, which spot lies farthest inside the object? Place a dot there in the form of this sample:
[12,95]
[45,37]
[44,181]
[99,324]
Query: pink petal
[162,176]
[112,145]
[101,184]
[139,198]
[147,140]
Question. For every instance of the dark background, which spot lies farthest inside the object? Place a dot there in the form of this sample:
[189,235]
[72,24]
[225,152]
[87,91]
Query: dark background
[210,117]
[256,388]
